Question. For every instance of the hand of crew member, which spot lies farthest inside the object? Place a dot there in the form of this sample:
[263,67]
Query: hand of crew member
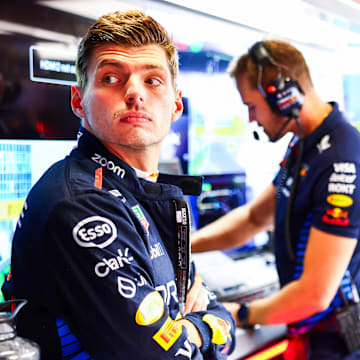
[198,297]
[240,313]
[233,308]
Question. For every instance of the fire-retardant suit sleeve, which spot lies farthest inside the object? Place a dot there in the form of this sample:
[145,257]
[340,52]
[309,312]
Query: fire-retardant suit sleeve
[109,292]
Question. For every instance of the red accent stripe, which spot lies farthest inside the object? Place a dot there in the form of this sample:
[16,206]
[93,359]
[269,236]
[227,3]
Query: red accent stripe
[285,103]
[98,178]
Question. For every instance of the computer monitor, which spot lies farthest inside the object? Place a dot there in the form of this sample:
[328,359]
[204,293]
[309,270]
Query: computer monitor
[222,193]
[21,165]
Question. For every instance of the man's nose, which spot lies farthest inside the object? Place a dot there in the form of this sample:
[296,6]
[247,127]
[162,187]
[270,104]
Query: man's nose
[134,91]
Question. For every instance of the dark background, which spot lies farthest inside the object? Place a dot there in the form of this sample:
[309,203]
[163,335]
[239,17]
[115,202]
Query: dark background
[32,110]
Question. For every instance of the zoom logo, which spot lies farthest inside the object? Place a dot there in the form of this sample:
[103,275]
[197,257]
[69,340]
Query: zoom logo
[108,165]
[94,231]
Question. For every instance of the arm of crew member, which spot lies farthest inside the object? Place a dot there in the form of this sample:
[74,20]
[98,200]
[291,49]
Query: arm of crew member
[326,259]
[238,226]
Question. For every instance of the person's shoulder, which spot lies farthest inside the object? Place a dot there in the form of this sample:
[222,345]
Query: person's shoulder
[52,177]
[339,143]
[345,138]
[65,178]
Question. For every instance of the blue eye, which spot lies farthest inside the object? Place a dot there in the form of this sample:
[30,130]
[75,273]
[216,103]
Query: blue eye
[110,79]
[153,81]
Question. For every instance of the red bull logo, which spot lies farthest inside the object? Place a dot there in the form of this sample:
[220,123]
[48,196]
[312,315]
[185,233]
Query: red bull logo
[337,213]
[336,216]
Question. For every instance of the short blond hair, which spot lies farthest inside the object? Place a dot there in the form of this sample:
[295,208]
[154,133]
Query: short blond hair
[125,28]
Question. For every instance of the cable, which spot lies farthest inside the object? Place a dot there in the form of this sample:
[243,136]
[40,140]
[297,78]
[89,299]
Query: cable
[300,146]
[276,137]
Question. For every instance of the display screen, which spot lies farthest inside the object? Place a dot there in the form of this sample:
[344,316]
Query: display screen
[22,162]
[221,194]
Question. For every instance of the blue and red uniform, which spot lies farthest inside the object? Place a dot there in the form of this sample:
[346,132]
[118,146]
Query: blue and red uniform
[95,254]
[328,198]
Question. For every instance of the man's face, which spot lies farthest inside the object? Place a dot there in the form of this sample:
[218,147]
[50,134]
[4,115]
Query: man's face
[129,100]
[258,108]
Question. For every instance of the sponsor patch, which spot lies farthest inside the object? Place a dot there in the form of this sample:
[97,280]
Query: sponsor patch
[142,281]
[126,287]
[94,231]
[219,327]
[336,216]
[337,213]
[103,268]
[339,200]
[168,333]
[140,215]
[335,221]
[345,167]
[324,143]
[108,164]
[341,188]
[342,178]
[156,251]
[168,291]
[150,310]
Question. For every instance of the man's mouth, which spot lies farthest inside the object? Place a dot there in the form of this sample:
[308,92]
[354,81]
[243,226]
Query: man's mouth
[134,117]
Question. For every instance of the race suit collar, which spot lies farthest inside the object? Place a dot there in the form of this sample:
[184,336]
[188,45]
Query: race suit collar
[92,147]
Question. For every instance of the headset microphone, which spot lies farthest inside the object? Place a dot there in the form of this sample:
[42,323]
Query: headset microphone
[274,138]
[256,131]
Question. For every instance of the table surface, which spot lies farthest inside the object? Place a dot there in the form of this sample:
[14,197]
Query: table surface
[250,341]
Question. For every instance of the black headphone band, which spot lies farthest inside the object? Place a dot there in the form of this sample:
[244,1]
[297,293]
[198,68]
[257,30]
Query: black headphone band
[260,54]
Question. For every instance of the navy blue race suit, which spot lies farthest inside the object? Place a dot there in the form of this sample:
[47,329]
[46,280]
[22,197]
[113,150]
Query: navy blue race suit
[328,198]
[95,254]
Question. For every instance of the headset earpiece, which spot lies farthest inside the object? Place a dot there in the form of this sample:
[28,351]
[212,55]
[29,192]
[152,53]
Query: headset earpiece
[283,94]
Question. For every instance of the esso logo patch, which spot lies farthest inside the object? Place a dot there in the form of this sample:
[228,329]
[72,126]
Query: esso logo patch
[94,231]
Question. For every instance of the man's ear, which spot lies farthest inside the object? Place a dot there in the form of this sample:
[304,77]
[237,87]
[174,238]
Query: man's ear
[76,102]
[178,106]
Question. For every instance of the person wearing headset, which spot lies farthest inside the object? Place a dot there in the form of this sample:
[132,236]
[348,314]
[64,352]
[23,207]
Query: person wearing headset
[312,205]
